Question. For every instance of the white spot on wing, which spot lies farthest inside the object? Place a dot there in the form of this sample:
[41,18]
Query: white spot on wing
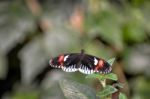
[65,58]
[95,61]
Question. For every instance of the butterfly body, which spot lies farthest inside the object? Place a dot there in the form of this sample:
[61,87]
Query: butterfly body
[84,63]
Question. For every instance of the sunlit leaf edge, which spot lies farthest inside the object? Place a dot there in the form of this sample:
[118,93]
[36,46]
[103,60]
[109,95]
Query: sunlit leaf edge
[111,61]
[111,76]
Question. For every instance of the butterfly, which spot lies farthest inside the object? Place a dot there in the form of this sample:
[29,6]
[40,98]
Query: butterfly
[81,62]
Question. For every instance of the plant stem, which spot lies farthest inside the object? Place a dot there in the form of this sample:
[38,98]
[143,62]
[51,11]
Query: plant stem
[103,82]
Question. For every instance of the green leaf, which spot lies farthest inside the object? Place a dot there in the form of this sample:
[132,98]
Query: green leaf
[74,90]
[120,85]
[107,91]
[111,76]
[98,76]
[122,96]
[111,61]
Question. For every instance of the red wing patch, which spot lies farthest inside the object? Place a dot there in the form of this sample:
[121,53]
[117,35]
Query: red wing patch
[99,65]
[61,60]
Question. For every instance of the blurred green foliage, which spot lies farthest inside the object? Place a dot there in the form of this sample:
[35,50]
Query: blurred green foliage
[26,95]
[42,29]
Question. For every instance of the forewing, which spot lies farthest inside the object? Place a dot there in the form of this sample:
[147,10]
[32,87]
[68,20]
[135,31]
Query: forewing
[54,62]
[71,62]
[105,69]
[89,64]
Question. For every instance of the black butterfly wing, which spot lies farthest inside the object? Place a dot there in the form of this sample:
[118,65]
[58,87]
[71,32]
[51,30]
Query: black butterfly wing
[67,62]
[90,64]
[71,62]
[87,64]
[54,62]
